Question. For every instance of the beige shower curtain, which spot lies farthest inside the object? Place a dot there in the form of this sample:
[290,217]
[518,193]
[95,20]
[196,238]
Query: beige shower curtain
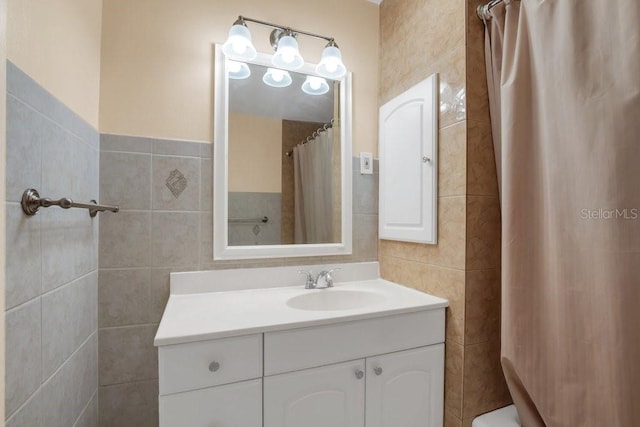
[564,83]
[313,189]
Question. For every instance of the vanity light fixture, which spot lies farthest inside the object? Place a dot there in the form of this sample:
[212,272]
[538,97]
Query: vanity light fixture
[315,86]
[287,53]
[331,65]
[239,45]
[238,70]
[287,56]
[277,78]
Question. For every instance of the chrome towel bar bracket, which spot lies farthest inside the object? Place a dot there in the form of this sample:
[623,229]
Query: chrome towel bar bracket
[31,202]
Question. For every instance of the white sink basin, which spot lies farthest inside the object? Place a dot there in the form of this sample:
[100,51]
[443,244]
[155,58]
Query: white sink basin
[214,304]
[334,299]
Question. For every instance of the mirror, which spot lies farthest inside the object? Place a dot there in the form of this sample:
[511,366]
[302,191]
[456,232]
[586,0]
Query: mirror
[282,162]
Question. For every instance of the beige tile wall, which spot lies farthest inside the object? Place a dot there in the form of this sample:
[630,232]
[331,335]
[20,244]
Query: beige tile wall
[419,38]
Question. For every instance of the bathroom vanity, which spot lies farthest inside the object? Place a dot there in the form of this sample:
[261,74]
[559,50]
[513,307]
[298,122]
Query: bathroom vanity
[253,347]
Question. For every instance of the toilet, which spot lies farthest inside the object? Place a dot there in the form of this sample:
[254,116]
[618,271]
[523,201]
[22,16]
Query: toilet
[503,417]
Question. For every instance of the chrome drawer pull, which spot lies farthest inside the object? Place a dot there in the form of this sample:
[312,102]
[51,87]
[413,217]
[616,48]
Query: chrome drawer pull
[377,370]
[214,366]
[359,374]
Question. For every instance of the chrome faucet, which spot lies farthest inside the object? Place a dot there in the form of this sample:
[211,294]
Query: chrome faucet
[310,283]
[324,275]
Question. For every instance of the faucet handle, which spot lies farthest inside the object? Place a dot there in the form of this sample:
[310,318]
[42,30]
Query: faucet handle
[310,283]
[328,277]
[330,274]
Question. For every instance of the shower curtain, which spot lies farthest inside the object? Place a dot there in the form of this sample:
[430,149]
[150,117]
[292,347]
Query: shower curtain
[313,189]
[564,86]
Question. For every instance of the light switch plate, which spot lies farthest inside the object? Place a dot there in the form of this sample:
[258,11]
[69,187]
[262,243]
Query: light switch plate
[366,163]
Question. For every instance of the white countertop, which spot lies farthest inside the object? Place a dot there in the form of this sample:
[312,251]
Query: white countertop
[204,316]
[224,303]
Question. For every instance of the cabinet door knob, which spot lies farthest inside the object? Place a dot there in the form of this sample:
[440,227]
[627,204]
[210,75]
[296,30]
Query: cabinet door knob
[359,374]
[214,366]
[377,370]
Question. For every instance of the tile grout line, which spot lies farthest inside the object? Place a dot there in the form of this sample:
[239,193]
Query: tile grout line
[426,263]
[59,125]
[66,361]
[94,395]
[49,292]
[43,383]
[137,325]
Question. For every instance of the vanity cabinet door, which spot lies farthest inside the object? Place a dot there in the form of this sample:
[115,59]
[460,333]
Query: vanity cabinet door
[320,397]
[232,405]
[406,388]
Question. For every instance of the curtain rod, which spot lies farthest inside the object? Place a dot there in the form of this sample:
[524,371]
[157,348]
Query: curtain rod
[313,135]
[483,10]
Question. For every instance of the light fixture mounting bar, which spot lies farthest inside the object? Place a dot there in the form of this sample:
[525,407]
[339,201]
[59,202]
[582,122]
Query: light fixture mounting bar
[283,28]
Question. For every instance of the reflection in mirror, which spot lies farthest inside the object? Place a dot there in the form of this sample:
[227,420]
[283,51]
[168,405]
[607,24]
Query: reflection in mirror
[261,133]
[284,158]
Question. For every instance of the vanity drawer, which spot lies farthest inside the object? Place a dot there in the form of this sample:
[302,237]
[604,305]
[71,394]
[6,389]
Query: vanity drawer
[294,349]
[203,364]
[238,404]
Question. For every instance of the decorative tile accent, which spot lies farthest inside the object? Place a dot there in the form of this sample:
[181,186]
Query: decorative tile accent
[255,205]
[176,183]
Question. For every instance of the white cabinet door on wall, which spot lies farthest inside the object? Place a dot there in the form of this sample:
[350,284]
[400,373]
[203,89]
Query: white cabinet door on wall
[408,164]
[320,397]
[406,388]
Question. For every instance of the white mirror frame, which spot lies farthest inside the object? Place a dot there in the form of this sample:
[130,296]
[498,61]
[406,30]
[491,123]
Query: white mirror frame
[221,248]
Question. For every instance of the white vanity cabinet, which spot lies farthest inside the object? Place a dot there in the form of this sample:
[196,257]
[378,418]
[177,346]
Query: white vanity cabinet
[327,396]
[385,371]
[365,353]
[216,383]
[398,389]
[231,405]
[406,388]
